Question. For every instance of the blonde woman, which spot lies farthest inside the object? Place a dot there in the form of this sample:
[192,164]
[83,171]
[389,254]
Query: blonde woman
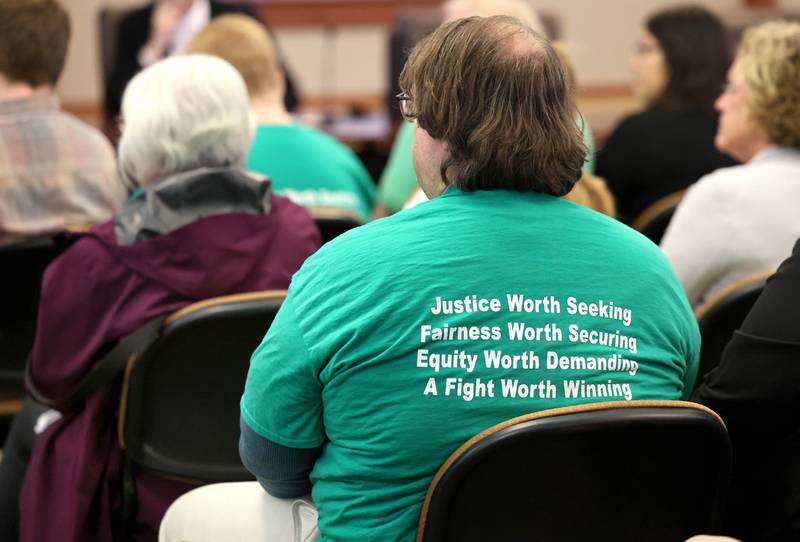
[743,220]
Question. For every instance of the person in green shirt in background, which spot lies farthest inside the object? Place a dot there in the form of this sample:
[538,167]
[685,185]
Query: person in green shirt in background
[304,164]
[398,180]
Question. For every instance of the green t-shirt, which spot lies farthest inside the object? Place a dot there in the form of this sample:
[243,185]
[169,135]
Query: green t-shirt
[398,180]
[403,338]
[311,168]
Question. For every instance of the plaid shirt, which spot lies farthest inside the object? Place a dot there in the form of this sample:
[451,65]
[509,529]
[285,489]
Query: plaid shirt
[55,171]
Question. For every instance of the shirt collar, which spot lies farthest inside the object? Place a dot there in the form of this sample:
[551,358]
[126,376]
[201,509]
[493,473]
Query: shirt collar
[47,101]
[195,19]
[183,198]
[774,152]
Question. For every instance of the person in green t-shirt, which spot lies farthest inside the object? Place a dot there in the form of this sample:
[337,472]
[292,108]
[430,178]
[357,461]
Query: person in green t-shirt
[400,340]
[304,164]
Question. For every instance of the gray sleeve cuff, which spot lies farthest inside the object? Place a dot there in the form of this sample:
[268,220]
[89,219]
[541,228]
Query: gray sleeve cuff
[282,471]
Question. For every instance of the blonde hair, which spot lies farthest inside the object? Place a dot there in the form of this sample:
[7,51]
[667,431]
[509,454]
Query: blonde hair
[519,9]
[245,44]
[769,60]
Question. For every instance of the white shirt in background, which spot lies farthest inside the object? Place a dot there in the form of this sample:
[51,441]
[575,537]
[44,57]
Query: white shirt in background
[736,222]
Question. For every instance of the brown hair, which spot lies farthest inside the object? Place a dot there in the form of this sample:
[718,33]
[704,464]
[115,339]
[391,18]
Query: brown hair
[497,94]
[245,43]
[34,35]
[697,52]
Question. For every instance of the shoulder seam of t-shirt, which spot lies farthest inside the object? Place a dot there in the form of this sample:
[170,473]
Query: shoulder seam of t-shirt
[251,420]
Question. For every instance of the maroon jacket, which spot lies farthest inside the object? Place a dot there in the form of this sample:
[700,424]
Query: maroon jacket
[98,292]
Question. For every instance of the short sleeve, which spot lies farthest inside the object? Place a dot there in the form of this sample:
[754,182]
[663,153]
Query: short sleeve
[282,398]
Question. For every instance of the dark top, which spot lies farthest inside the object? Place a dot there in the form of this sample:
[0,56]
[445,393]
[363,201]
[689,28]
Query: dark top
[654,153]
[756,390]
[134,30]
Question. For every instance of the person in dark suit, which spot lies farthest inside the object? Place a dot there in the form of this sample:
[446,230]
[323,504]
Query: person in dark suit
[755,390]
[161,28]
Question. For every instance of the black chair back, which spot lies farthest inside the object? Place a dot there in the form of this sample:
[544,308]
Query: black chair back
[654,220]
[333,222]
[180,403]
[21,268]
[720,316]
[623,471]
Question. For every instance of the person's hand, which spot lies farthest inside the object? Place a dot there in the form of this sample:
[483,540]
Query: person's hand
[167,14]
[707,538]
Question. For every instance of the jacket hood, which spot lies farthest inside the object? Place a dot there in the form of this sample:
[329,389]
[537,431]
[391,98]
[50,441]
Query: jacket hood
[206,248]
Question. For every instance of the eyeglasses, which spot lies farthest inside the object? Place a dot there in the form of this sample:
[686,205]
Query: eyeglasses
[406,106]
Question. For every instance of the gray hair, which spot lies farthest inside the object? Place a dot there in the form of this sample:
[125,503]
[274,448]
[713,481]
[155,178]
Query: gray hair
[183,113]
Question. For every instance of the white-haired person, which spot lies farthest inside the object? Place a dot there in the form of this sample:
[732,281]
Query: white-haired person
[202,227]
[743,220]
[304,164]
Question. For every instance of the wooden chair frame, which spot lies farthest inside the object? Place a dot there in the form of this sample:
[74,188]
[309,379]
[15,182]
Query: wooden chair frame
[656,209]
[730,290]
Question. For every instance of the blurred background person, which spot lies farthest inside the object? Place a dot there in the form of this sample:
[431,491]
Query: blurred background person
[678,67]
[303,163]
[55,171]
[203,227]
[159,29]
[743,220]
